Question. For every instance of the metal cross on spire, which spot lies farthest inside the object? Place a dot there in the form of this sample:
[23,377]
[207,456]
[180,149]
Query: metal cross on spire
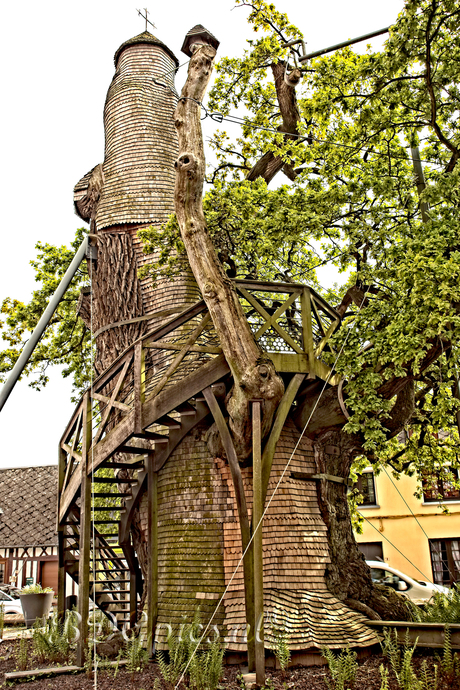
[147,20]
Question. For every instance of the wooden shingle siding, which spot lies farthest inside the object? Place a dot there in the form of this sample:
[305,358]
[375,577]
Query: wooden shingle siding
[200,547]
[141,142]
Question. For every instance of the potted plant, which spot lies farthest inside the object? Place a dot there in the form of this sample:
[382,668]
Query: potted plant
[35,602]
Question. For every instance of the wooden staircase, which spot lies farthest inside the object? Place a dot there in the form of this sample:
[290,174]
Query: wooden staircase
[136,413]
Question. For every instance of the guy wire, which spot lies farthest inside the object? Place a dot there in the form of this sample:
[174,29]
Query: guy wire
[271,497]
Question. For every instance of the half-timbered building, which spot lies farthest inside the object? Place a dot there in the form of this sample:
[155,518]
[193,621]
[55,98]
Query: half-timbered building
[28,536]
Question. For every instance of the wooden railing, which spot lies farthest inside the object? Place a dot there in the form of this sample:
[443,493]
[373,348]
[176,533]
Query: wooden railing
[291,323]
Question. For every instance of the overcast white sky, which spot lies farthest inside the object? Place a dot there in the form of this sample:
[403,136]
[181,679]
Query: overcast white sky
[57,60]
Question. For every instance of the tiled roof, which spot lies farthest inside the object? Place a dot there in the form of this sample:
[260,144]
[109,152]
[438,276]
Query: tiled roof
[145,37]
[28,498]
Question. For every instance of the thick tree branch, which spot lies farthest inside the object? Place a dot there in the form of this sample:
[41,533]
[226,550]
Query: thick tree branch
[269,164]
[253,373]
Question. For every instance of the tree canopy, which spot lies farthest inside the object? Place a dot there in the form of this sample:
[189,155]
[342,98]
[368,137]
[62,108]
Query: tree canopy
[339,129]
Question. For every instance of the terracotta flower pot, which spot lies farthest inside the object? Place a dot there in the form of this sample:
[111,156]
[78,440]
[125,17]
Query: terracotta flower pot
[35,606]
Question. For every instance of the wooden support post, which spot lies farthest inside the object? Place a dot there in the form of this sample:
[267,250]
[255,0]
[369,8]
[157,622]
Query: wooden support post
[152,585]
[85,533]
[307,330]
[240,498]
[60,531]
[139,384]
[281,415]
[257,512]
[132,597]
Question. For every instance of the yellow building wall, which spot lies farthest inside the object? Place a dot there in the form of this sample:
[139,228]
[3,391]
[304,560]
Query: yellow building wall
[405,537]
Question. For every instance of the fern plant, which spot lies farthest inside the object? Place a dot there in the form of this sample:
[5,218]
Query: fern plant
[281,647]
[442,608]
[400,659]
[342,667]
[450,662]
[53,641]
[203,666]
[136,655]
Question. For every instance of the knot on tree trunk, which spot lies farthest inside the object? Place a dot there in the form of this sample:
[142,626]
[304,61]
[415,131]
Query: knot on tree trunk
[185,162]
[293,78]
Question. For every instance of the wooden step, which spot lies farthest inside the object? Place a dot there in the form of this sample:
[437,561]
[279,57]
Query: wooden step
[105,522]
[116,610]
[134,450]
[151,436]
[110,480]
[113,591]
[100,509]
[185,409]
[109,494]
[170,422]
[123,465]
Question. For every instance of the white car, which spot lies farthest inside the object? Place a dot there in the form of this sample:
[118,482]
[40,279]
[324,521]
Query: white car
[416,590]
[10,605]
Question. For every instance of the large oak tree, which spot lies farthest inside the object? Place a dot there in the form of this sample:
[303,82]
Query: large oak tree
[337,131]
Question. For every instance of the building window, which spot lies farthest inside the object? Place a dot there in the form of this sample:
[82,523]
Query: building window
[366,487]
[372,550]
[445,561]
[2,572]
[440,486]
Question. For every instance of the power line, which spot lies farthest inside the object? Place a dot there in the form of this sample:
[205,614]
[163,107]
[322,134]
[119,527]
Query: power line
[416,520]
[234,119]
[395,547]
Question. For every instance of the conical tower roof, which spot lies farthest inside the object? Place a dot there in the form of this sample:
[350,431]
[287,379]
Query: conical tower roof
[144,37]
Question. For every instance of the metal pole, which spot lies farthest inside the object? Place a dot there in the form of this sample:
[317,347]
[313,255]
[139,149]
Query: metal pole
[341,45]
[39,329]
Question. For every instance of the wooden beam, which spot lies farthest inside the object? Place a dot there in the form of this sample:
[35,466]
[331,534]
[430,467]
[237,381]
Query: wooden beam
[139,385]
[240,497]
[281,415]
[70,461]
[305,308]
[327,336]
[60,531]
[152,584]
[257,512]
[183,351]
[85,534]
[163,345]
[281,332]
[111,401]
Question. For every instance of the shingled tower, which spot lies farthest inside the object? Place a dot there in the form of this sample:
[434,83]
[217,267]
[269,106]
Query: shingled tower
[133,188]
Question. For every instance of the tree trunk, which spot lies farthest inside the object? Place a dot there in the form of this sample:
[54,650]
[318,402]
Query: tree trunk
[254,375]
[347,575]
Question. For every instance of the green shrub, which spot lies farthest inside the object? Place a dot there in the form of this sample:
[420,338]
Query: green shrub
[342,667]
[53,641]
[22,653]
[35,589]
[441,608]
[136,655]
[202,666]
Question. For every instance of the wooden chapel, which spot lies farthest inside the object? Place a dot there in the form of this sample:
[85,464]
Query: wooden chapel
[165,536]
